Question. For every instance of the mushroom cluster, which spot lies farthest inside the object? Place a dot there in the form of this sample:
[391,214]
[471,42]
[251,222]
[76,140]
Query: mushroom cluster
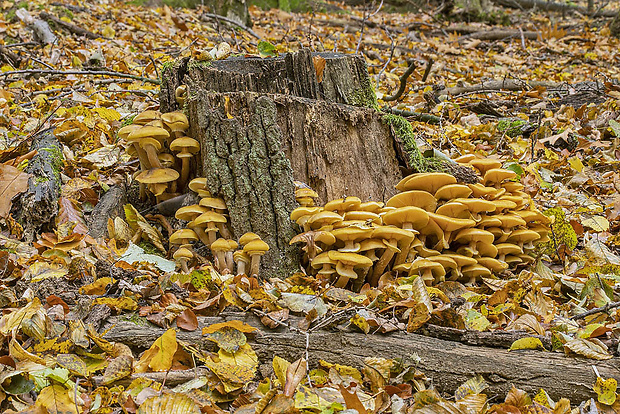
[434,227]
[154,137]
[208,219]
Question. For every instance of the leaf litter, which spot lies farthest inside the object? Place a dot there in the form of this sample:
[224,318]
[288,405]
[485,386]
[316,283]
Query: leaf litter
[559,131]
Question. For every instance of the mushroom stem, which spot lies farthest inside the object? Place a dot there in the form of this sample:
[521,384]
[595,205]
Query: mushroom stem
[211,233]
[220,260]
[201,235]
[184,171]
[341,282]
[240,267]
[385,259]
[151,153]
[254,264]
[184,265]
[142,156]
[401,257]
[230,263]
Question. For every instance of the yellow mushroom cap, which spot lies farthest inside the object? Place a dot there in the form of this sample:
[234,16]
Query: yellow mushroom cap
[148,131]
[256,247]
[415,216]
[208,217]
[467,235]
[475,270]
[220,245]
[176,121]
[485,164]
[185,146]
[157,176]
[248,237]
[199,183]
[124,132]
[213,202]
[429,182]
[146,117]
[450,191]
[343,204]
[454,209]
[183,253]
[182,236]
[189,213]
[416,198]
[495,176]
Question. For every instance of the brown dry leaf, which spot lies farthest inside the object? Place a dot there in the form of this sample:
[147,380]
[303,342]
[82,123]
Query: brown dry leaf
[119,368]
[55,399]
[187,320]
[352,400]
[233,377]
[590,348]
[227,338]
[295,373]
[419,316]
[12,182]
[69,213]
[319,67]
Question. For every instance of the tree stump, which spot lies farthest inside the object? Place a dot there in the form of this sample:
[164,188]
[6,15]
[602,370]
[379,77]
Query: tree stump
[263,123]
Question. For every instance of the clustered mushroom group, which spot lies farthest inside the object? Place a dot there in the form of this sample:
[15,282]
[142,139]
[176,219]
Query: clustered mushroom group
[206,220]
[154,137]
[434,227]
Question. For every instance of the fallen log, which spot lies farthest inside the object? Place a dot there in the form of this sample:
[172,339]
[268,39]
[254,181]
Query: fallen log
[497,85]
[37,208]
[499,35]
[553,6]
[448,363]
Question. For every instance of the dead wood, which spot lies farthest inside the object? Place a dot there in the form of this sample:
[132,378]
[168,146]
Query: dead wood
[217,18]
[171,378]
[497,85]
[69,26]
[109,206]
[553,6]
[42,32]
[10,57]
[36,209]
[499,35]
[448,363]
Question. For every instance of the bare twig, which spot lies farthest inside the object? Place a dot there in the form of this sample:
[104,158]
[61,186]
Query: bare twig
[217,17]
[364,20]
[403,83]
[389,58]
[78,72]
[427,71]
[69,26]
[602,309]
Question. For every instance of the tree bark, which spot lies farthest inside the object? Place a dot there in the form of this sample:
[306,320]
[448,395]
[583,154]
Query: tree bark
[448,363]
[552,6]
[37,208]
[614,26]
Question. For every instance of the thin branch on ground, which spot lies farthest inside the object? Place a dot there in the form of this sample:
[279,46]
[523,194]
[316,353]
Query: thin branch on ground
[427,71]
[366,17]
[602,309]
[217,17]
[78,72]
[403,83]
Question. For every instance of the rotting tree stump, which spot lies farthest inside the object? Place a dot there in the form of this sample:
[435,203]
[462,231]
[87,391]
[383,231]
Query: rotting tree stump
[263,123]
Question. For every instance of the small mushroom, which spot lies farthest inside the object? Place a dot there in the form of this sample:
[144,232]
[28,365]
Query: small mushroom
[199,186]
[485,164]
[150,139]
[350,237]
[219,248]
[183,255]
[429,182]
[409,218]
[159,176]
[255,249]
[495,176]
[179,95]
[325,266]
[176,122]
[305,196]
[472,237]
[207,222]
[183,237]
[346,263]
[186,147]
[451,191]
[242,260]
[416,198]
[343,204]
[146,117]
[505,249]
[473,272]
[431,272]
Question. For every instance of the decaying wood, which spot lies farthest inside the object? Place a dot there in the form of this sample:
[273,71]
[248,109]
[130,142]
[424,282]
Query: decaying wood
[344,78]
[497,85]
[553,6]
[109,206]
[69,26]
[499,35]
[42,32]
[36,209]
[448,363]
[171,378]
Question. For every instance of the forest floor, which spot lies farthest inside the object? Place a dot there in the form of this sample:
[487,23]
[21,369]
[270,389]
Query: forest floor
[539,92]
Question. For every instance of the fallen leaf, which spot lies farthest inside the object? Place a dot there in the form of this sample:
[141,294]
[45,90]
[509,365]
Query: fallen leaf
[12,182]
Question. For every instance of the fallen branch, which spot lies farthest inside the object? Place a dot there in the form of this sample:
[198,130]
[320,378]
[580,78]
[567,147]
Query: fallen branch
[417,116]
[171,378]
[211,16]
[403,84]
[78,72]
[602,309]
[42,32]
[69,26]
[10,57]
[448,363]
[499,35]
[497,85]
[553,6]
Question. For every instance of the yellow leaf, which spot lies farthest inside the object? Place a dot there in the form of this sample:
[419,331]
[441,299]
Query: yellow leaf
[472,386]
[280,365]
[20,354]
[361,323]
[227,338]
[606,390]
[124,303]
[98,287]
[233,377]
[526,343]
[13,319]
[245,356]
[160,355]
[55,399]
[169,404]
[576,164]
[73,363]
[475,320]
[596,223]
[108,114]
[108,31]
[236,324]
[137,222]
[590,348]
[542,398]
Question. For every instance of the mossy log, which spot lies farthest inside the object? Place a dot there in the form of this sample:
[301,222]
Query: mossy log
[448,363]
[37,208]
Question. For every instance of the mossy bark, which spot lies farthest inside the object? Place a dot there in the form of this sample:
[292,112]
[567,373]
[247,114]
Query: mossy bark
[37,208]
[614,26]
[243,162]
